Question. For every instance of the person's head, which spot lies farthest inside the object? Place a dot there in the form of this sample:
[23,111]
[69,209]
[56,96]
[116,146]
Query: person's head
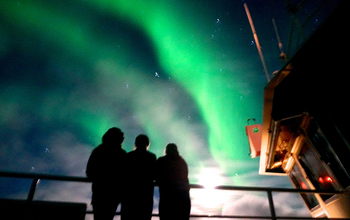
[114,136]
[142,142]
[171,150]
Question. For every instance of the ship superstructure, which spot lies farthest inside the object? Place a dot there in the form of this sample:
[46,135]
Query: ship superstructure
[305,131]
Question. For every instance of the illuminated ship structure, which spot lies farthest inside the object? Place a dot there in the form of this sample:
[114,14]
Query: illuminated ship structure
[306,126]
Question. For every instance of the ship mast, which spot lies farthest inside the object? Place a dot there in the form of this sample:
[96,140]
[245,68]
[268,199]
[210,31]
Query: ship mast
[257,42]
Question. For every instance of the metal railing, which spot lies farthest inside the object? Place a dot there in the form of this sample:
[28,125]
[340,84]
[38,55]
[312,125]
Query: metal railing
[36,177]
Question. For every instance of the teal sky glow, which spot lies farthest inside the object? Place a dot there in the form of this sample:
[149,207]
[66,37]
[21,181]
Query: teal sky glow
[184,71]
[180,71]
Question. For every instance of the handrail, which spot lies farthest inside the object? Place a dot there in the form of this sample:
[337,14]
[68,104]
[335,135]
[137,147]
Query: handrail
[193,186]
[43,176]
[35,177]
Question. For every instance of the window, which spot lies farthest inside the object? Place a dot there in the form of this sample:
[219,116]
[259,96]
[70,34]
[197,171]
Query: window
[320,178]
[329,156]
[300,183]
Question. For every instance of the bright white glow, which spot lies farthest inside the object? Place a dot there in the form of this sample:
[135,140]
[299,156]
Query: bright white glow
[210,201]
[210,177]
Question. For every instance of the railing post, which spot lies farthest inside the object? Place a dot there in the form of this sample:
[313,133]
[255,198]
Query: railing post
[272,207]
[32,189]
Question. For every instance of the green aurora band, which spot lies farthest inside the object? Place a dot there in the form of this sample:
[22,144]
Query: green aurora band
[180,33]
[188,57]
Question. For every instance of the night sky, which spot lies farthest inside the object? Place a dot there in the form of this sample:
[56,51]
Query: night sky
[184,71]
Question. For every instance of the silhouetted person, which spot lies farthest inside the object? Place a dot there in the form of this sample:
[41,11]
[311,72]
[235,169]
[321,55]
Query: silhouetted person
[139,176]
[104,170]
[174,187]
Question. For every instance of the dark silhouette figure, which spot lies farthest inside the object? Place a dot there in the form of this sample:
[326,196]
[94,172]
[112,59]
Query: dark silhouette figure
[139,176]
[104,170]
[174,187]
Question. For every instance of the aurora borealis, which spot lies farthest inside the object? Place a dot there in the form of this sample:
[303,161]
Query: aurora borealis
[181,71]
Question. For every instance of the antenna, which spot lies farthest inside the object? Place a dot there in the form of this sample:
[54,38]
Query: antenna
[257,42]
[283,55]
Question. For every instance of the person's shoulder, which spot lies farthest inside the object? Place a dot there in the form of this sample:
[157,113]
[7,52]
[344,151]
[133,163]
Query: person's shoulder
[161,160]
[130,153]
[153,155]
[182,159]
[121,153]
[97,149]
